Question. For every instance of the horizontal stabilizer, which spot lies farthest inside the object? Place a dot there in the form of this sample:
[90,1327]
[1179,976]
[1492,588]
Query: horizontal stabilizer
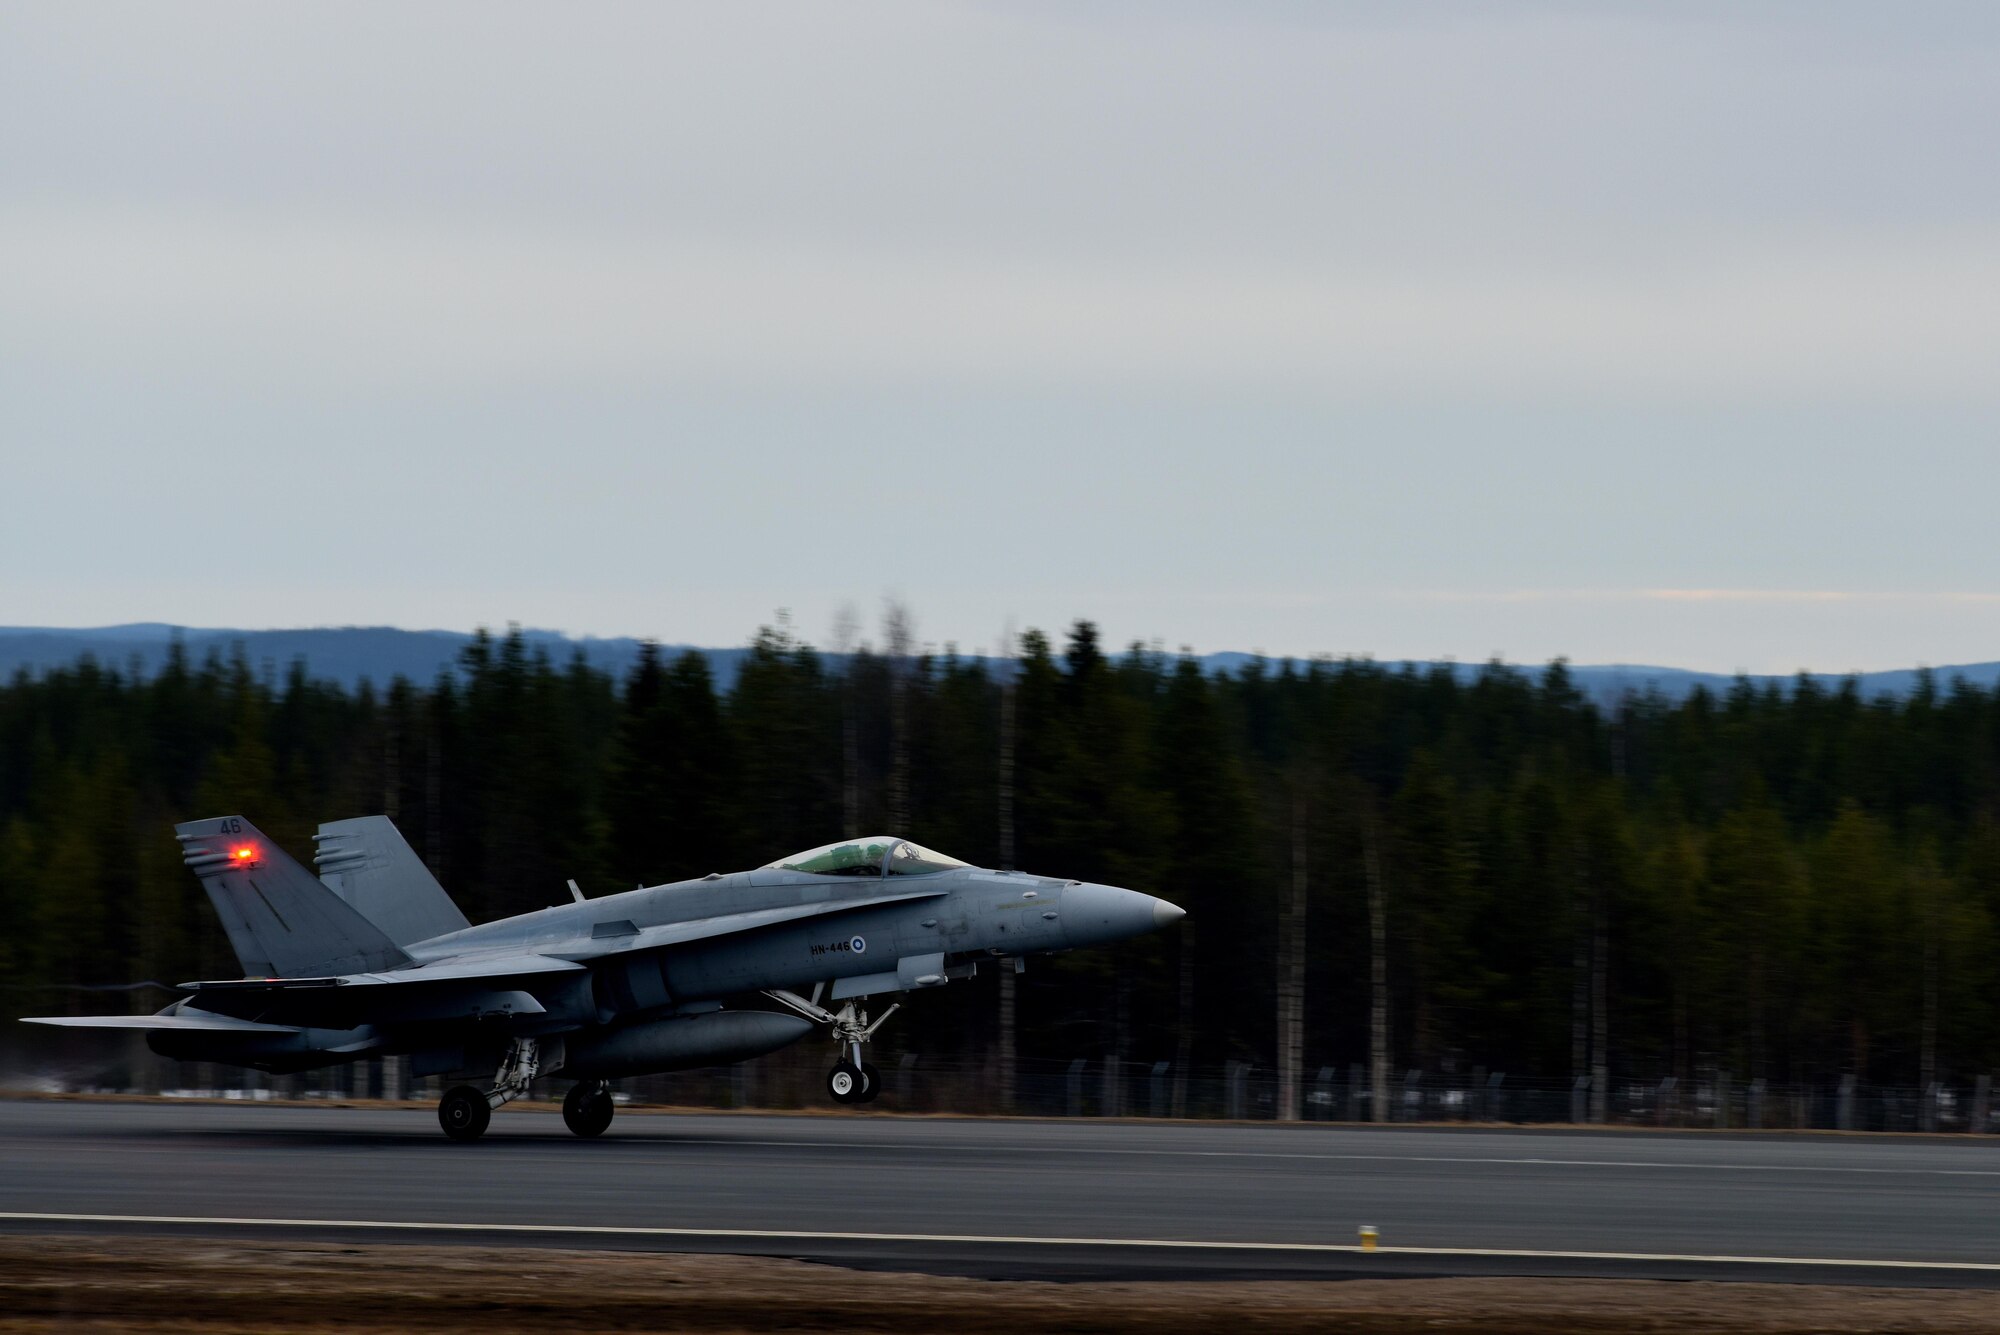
[460,988]
[218,1024]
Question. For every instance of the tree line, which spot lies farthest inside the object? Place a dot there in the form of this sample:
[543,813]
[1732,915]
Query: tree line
[1402,867]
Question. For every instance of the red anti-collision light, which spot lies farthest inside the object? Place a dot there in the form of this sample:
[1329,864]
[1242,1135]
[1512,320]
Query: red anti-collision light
[245,854]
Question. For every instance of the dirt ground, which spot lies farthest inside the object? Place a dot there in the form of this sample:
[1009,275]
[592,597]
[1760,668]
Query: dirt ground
[202,1285]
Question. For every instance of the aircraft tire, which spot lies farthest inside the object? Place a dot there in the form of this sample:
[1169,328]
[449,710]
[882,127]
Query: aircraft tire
[463,1113]
[587,1109]
[847,1084]
[871,1083]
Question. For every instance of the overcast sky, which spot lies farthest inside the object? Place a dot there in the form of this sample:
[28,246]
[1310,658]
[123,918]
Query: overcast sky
[1664,333]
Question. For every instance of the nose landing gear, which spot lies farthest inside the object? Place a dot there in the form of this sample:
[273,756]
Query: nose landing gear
[852,1080]
[849,1082]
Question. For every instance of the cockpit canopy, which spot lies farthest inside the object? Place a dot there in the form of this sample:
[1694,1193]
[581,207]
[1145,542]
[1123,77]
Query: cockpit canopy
[873,855]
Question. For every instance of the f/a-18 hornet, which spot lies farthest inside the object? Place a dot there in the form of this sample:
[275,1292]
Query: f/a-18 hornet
[371,957]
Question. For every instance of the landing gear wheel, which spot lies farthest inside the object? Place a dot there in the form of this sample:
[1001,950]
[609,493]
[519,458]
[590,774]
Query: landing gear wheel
[463,1113]
[871,1083]
[847,1084]
[587,1109]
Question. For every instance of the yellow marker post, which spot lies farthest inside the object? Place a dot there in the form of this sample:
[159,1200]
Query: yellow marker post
[1368,1237]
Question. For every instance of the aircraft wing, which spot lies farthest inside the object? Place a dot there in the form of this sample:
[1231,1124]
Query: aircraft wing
[724,924]
[221,1024]
[451,969]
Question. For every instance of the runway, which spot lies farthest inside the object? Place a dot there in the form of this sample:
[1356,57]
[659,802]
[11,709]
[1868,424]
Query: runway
[1020,1199]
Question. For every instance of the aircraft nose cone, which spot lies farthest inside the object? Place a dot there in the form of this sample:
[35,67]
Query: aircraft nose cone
[1096,913]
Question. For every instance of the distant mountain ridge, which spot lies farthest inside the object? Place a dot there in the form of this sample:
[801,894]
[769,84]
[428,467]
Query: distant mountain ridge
[352,654]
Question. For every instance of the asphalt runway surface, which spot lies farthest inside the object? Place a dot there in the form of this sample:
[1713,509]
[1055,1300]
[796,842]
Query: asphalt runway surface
[1005,1198]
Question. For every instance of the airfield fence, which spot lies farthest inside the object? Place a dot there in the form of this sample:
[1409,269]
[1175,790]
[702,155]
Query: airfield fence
[1113,1087]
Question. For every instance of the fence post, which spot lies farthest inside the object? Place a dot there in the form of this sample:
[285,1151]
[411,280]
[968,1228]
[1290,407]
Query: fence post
[1755,1120]
[1075,1081]
[1722,1091]
[1843,1108]
[1577,1090]
[1322,1108]
[1354,1091]
[1156,1089]
[1496,1097]
[1413,1097]
[1109,1104]
[1236,1071]
[1928,1118]
[1665,1101]
[1982,1105]
[905,1078]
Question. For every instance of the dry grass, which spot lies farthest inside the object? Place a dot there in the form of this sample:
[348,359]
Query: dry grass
[205,1285]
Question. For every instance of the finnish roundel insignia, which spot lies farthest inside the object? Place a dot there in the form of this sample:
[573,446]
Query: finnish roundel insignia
[858,944]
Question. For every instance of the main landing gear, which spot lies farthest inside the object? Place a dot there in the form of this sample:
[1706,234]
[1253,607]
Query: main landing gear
[464,1112]
[852,1080]
[587,1108]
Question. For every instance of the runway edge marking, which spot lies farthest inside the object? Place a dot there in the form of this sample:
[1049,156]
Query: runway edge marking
[810,1235]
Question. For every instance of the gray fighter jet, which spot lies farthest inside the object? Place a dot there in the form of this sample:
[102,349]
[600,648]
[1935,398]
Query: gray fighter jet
[371,957]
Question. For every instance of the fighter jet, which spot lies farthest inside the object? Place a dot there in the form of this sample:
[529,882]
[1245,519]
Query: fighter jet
[371,957]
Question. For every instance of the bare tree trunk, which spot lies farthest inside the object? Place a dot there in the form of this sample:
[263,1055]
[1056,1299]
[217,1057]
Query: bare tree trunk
[850,764]
[899,762]
[1579,968]
[433,800]
[1121,1043]
[1683,1047]
[1184,1043]
[1006,786]
[1006,1055]
[1927,1038]
[1757,1012]
[1378,979]
[845,625]
[392,763]
[1292,974]
[1600,1019]
[899,637]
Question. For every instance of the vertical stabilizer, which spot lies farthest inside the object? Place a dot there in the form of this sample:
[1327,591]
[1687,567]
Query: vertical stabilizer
[369,864]
[281,920]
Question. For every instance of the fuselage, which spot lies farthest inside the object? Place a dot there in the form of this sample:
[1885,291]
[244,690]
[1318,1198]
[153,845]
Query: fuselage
[371,957]
[967,911]
[869,935]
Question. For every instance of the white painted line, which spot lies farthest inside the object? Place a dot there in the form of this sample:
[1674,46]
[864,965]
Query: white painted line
[974,1239]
